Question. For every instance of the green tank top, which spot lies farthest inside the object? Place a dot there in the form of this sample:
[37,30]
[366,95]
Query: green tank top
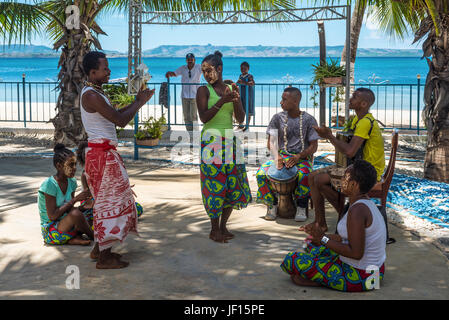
[223,119]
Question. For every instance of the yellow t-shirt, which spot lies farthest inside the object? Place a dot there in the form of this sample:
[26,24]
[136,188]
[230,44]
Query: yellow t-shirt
[373,152]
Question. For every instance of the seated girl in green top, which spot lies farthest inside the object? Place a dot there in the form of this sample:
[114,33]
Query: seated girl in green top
[224,184]
[61,222]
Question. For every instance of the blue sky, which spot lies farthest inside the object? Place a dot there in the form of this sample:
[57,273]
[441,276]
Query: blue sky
[292,34]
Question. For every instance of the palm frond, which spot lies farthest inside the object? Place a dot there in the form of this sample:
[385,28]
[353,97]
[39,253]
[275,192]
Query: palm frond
[19,21]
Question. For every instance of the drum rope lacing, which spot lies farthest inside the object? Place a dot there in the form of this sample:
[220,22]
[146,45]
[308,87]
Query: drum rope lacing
[300,132]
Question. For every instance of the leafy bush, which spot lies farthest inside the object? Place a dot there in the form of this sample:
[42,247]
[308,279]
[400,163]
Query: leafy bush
[152,129]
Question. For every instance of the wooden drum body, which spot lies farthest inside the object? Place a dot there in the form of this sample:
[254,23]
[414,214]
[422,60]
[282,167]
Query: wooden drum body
[285,189]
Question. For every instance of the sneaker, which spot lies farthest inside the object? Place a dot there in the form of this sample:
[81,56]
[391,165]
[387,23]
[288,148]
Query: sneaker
[271,213]
[300,214]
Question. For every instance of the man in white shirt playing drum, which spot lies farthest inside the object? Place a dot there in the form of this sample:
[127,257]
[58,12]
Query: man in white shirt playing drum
[190,73]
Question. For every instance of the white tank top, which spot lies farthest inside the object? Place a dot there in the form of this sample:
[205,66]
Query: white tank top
[375,239]
[96,126]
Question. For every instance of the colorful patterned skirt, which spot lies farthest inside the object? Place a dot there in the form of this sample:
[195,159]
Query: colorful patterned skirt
[224,183]
[265,192]
[52,235]
[324,266]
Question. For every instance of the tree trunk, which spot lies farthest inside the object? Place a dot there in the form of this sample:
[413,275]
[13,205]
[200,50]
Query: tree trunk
[356,26]
[69,129]
[436,99]
[76,43]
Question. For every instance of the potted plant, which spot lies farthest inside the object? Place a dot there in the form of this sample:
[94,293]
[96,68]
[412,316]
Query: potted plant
[119,98]
[330,73]
[151,132]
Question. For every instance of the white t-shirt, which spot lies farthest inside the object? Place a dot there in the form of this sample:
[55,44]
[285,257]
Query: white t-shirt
[189,91]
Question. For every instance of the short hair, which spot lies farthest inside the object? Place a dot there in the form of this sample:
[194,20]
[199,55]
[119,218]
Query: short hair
[244,63]
[190,55]
[80,152]
[91,61]
[294,91]
[364,174]
[214,59]
[61,154]
[367,94]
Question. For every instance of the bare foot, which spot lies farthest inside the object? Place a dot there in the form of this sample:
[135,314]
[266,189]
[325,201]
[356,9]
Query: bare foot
[111,262]
[228,236]
[95,253]
[217,236]
[78,241]
[300,281]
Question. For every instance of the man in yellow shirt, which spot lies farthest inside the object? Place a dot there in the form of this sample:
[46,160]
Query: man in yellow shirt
[367,135]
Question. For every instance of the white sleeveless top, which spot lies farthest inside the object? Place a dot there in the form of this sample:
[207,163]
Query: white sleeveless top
[96,126]
[375,239]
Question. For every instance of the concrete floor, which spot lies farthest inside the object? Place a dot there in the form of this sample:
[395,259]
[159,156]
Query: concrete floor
[173,257]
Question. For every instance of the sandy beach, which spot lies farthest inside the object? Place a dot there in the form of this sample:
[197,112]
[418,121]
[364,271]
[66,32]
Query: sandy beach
[43,112]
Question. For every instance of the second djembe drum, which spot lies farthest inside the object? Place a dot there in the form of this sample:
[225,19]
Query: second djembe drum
[284,183]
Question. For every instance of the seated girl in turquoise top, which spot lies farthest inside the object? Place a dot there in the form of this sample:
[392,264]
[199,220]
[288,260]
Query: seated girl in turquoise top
[61,222]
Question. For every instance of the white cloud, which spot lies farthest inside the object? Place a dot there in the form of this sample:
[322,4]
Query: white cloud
[370,23]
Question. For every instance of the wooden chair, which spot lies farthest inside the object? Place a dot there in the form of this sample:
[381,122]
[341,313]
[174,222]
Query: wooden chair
[380,189]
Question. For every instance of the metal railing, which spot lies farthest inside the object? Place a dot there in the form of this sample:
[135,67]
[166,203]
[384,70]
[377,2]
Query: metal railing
[396,105]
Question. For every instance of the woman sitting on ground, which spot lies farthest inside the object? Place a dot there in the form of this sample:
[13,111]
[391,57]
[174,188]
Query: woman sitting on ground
[341,261]
[61,222]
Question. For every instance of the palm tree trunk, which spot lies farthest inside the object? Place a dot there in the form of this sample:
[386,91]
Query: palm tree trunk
[436,99]
[68,126]
[356,26]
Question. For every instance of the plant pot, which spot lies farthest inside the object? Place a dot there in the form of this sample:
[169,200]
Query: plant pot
[333,80]
[148,142]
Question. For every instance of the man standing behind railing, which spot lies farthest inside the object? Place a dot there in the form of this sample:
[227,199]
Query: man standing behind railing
[191,74]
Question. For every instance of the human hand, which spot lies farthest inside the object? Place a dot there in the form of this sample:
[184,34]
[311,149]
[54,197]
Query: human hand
[144,95]
[170,74]
[84,195]
[293,160]
[315,231]
[228,95]
[323,132]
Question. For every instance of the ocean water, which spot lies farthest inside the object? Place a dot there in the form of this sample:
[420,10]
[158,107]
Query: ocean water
[265,70]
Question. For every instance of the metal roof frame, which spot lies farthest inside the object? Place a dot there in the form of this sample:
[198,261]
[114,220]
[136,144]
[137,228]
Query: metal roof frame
[139,17]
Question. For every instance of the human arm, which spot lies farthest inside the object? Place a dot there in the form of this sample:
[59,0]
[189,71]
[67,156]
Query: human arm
[93,102]
[358,216]
[170,74]
[349,149]
[239,113]
[55,212]
[202,97]
[311,149]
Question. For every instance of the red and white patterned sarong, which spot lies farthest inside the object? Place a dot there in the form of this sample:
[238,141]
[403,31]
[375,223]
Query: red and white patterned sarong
[115,212]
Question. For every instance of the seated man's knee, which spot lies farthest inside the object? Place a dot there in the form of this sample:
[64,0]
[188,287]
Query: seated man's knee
[321,179]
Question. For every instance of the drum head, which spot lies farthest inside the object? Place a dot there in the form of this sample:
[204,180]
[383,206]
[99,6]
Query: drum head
[284,174]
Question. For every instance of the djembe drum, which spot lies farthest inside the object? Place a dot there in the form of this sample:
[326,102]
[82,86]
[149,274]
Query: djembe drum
[284,182]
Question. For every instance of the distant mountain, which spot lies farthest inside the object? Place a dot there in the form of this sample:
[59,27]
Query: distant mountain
[169,51]
[273,51]
[32,51]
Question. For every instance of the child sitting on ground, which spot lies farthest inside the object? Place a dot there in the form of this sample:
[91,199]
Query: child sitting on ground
[61,221]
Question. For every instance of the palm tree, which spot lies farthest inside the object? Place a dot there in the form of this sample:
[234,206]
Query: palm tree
[19,21]
[429,20]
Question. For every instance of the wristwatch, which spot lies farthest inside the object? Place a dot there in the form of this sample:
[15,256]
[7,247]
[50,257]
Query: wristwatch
[324,240]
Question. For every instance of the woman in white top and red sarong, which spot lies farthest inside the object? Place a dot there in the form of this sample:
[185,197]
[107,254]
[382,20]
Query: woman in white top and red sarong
[115,213]
[345,261]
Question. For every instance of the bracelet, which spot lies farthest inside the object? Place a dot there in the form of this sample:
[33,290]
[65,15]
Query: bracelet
[215,106]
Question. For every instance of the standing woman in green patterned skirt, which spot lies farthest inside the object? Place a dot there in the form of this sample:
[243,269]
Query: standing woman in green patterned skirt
[224,183]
